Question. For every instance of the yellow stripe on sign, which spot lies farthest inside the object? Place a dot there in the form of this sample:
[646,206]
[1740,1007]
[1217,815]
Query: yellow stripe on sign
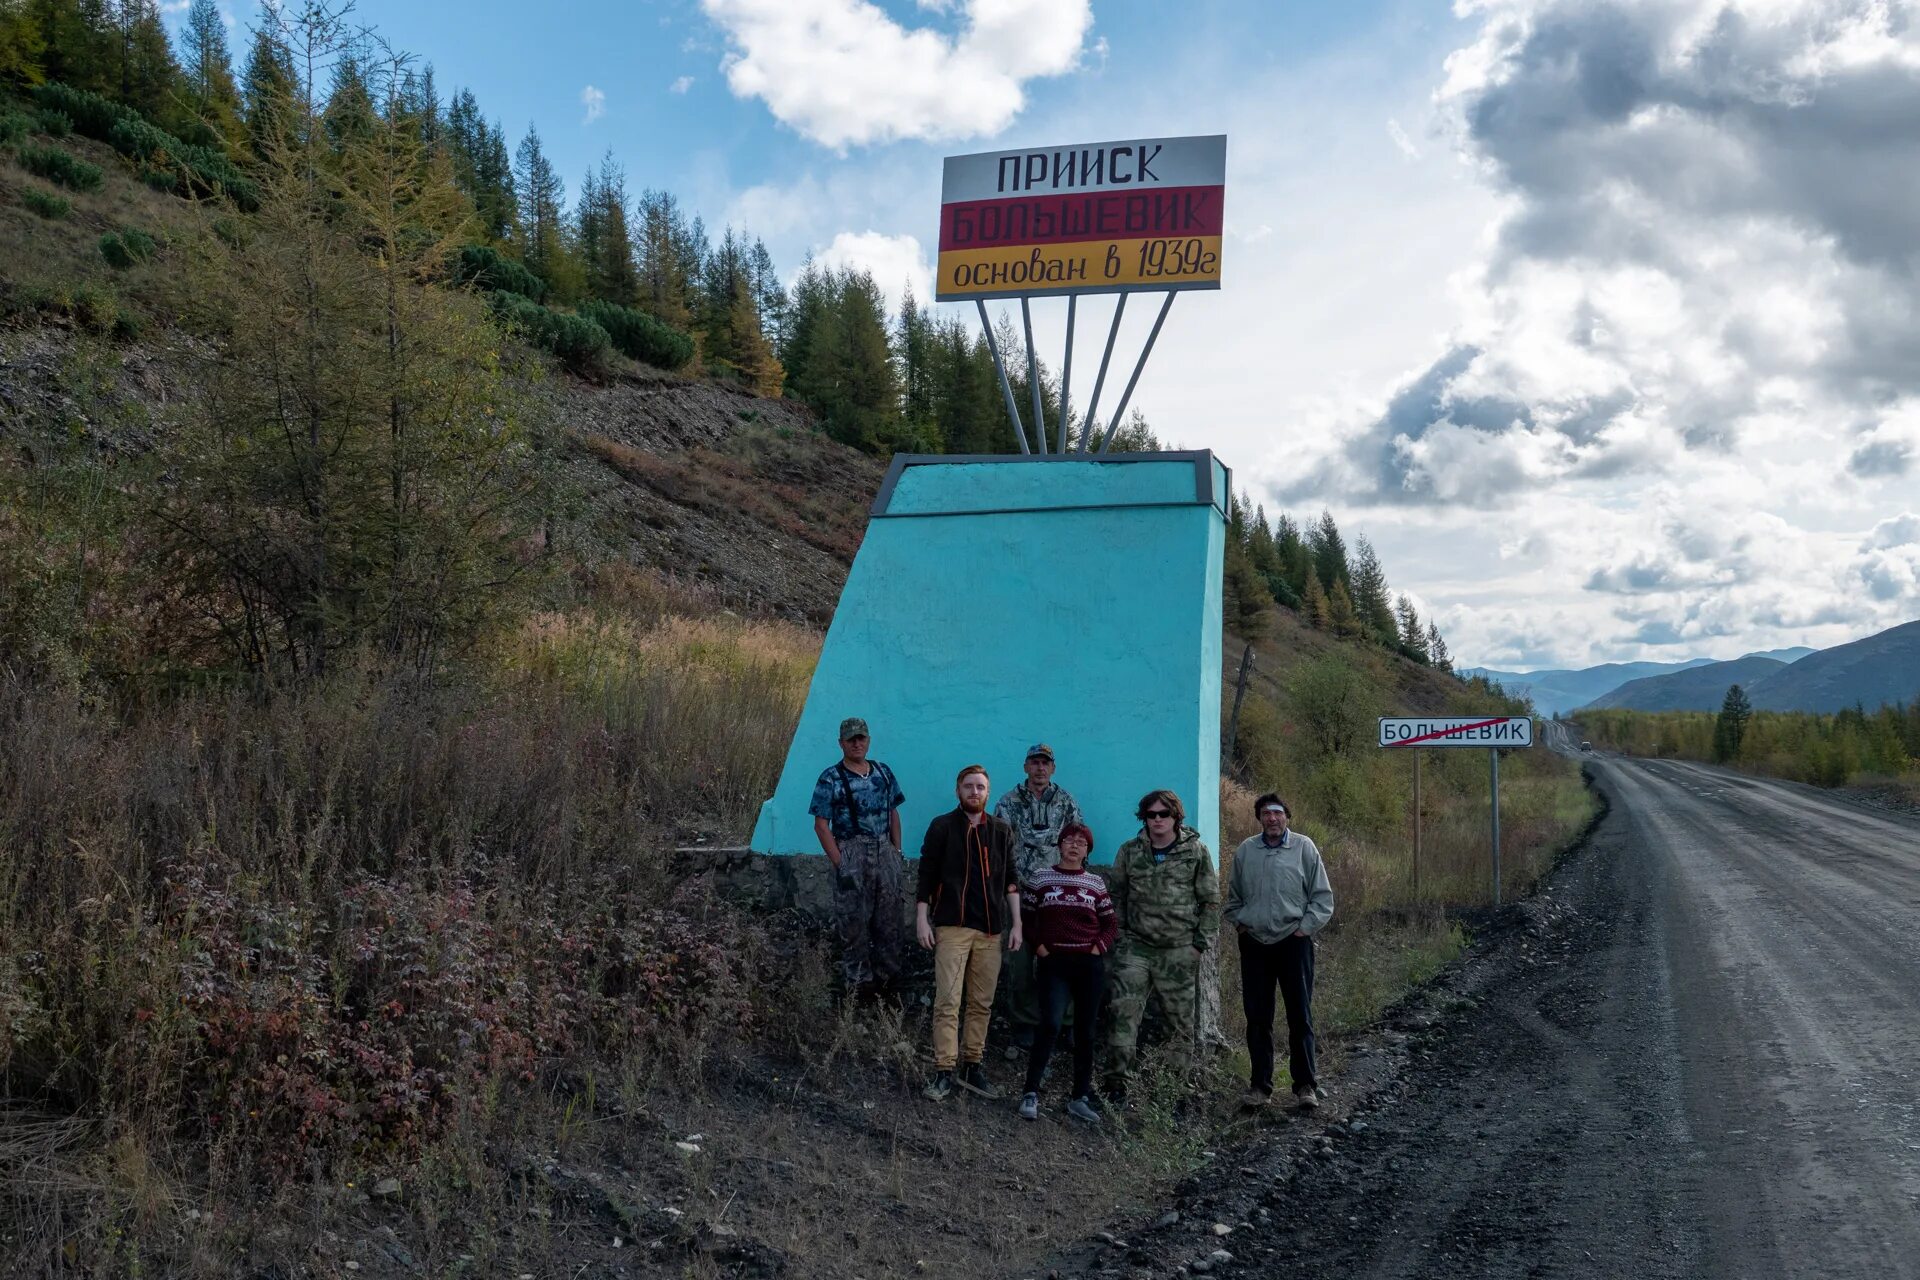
[1086,264]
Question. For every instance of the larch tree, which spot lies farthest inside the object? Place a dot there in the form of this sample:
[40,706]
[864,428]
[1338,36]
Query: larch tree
[208,65]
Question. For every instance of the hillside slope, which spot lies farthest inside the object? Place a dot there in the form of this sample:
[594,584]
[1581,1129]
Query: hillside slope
[1879,669]
[1695,689]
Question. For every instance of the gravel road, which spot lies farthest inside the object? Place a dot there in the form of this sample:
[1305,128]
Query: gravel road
[1699,1057]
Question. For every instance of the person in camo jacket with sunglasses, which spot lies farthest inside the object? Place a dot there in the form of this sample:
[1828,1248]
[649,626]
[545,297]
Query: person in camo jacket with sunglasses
[1166,894]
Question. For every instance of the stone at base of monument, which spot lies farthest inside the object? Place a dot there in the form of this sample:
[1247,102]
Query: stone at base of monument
[1001,601]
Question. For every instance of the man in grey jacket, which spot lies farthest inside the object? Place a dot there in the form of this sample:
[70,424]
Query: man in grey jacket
[1277,899]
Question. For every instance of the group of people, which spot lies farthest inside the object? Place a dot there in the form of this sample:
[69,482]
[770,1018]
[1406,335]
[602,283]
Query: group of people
[1006,903]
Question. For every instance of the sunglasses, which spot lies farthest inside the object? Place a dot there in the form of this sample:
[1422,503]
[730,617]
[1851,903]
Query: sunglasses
[1156,813]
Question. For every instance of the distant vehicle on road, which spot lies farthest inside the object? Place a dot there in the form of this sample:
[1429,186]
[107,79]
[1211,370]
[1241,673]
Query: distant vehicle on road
[1586,746]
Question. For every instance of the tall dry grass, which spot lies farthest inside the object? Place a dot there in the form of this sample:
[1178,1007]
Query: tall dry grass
[324,924]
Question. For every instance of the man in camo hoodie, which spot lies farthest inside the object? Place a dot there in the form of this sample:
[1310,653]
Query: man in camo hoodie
[1166,893]
[1038,810]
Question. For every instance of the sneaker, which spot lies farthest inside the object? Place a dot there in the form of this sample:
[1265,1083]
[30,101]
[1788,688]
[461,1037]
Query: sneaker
[1030,1106]
[973,1078]
[1081,1108]
[940,1087]
[1254,1099]
[1305,1098]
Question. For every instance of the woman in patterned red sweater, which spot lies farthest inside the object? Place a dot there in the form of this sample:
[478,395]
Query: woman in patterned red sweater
[1071,926]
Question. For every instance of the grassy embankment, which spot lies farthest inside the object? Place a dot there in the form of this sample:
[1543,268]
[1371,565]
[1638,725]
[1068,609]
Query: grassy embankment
[1877,750]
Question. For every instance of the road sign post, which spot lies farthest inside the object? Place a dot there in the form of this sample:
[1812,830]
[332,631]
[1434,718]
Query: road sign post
[1490,732]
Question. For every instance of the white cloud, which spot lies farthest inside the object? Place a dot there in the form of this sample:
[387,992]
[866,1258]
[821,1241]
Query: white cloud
[595,101]
[175,6]
[681,85]
[896,263]
[1401,140]
[1687,342]
[843,72]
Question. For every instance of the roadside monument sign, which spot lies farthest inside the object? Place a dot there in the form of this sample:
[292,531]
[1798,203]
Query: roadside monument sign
[1138,215]
[1093,217]
[1490,732]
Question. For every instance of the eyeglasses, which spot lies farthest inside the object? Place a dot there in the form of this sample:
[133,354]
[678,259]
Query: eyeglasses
[1155,813]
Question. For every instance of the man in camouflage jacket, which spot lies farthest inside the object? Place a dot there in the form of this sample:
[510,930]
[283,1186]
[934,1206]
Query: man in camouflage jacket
[1166,893]
[1037,810]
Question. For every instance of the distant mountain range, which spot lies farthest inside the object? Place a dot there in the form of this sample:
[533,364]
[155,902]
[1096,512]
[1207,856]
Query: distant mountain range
[1562,690]
[1881,668]
[1701,688]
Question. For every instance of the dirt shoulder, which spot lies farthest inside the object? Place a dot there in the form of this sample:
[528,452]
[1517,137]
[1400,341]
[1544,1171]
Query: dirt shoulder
[1319,1194]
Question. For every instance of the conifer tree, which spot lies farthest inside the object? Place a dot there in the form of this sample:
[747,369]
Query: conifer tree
[65,41]
[769,295]
[541,197]
[1318,608]
[663,248]
[1265,554]
[146,74]
[351,473]
[1437,648]
[913,343]
[606,246]
[1344,618]
[1371,599]
[1296,564]
[1730,726]
[23,48]
[1413,638]
[209,70]
[350,117]
[1329,553]
[271,90]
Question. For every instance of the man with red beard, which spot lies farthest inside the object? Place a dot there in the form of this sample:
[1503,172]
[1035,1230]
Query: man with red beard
[968,895]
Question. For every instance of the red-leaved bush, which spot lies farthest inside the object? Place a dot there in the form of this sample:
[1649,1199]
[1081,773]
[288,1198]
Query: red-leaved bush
[362,1029]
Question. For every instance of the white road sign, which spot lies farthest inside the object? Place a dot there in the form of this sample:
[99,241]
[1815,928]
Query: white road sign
[1456,731]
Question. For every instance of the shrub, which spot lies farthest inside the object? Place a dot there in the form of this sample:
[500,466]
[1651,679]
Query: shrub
[580,344]
[59,166]
[129,247]
[195,167]
[486,269]
[95,310]
[13,127]
[55,124]
[92,115]
[641,336]
[46,203]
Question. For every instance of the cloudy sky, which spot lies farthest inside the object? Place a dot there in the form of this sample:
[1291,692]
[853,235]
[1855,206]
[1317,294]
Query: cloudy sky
[1601,319]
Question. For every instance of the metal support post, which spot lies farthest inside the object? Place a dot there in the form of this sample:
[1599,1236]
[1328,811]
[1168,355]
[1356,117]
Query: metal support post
[1066,375]
[1119,414]
[1493,753]
[1416,824]
[1033,379]
[1100,379]
[1000,366]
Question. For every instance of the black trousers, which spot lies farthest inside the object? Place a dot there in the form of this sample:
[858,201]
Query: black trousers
[1288,965]
[1058,979]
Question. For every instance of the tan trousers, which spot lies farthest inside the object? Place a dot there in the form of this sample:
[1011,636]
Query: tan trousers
[966,958]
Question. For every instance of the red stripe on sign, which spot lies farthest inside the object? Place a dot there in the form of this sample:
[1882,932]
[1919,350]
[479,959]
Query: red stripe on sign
[1448,733]
[1090,215]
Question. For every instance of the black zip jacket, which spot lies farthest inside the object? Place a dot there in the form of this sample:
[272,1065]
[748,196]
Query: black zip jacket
[966,872]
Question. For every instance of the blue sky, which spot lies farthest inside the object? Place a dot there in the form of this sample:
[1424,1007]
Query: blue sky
[1592,314]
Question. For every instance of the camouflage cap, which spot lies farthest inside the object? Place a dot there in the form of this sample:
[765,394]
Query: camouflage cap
[853,727]
[1041,750]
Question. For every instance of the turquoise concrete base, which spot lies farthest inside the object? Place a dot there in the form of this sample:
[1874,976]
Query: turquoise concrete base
[997,602]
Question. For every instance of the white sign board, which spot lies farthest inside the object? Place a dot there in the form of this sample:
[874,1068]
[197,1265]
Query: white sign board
[1093,217]
[1456,731]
